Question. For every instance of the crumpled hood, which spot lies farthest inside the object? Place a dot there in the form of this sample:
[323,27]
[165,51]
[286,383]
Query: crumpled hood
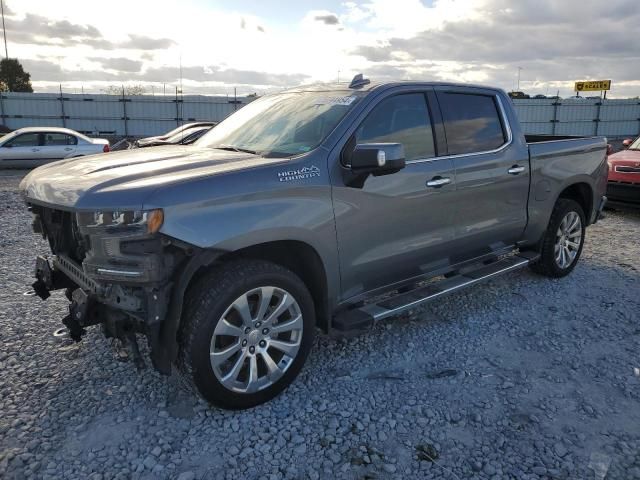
[124,179]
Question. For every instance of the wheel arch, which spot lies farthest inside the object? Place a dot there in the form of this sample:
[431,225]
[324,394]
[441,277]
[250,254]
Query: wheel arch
[582,193]
[303,260]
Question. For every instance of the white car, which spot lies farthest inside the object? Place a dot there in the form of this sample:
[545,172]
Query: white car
[33,146]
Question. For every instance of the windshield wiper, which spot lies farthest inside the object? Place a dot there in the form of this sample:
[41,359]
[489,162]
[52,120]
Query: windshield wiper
[232,148]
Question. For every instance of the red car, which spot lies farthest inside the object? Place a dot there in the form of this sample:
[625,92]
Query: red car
[623,186]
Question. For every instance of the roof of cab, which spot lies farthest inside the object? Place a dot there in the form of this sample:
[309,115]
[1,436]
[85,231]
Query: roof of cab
[373,85]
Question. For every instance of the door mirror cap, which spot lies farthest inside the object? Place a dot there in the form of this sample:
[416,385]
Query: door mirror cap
[378,158]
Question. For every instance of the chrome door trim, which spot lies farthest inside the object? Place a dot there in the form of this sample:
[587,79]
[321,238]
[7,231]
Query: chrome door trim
[509,141]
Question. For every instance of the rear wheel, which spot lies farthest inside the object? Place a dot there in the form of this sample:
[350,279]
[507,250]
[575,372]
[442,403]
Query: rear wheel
[563,241]
[247,330]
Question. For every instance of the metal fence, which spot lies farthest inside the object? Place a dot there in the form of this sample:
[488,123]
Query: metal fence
[611,118]
[113,115]
[142,115]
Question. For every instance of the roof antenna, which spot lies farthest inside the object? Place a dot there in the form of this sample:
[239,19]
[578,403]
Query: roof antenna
[359,81]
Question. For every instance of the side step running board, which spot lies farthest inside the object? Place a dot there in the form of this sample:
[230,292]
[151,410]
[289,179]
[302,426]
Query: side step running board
[358,319]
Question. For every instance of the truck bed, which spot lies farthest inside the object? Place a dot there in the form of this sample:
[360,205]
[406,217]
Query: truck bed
[557,161]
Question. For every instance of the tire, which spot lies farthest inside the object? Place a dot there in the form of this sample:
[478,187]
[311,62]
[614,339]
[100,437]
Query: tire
[212,310]
[549,264]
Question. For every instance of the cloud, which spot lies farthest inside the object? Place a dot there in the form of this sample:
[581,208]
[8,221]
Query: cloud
[373,53]
[141,42]
[126,70]
[36,29]
[44,70]
[120,64]
[7,10]
[553,41]
[328,19]
[229,76]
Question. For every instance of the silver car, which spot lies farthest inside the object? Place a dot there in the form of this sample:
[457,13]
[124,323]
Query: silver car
[33,146]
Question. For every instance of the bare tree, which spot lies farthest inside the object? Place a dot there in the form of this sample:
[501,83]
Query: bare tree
[128,90]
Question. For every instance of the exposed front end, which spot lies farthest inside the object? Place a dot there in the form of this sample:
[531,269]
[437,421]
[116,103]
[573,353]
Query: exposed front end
[117,269]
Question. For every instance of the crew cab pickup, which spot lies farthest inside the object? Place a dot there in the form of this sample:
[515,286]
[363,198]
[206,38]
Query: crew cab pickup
[327,207]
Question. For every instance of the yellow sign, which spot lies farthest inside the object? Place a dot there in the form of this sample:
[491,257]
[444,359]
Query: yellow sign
[593,85]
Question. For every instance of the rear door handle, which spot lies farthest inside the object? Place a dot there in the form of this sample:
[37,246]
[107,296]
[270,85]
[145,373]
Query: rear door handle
[515,170]
[35,149]
[68,149]
[438,182]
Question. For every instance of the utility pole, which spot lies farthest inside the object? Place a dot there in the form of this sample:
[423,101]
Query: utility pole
[519,70]
[4,31]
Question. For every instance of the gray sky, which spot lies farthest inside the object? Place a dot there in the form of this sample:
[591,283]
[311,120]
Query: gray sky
[268,45]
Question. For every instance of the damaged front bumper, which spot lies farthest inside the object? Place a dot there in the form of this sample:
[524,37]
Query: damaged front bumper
[122,310]
[123,277]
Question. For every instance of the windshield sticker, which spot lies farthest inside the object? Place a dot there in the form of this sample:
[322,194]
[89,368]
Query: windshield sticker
[336,100]
[299,174]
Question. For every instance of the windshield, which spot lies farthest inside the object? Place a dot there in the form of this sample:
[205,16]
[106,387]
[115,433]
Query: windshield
[282,125]
[635,145]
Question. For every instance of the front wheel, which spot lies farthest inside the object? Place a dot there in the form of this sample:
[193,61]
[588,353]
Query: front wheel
[563,241]
[247,329]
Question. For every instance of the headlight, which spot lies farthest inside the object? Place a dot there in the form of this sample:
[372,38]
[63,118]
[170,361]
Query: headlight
[149,220]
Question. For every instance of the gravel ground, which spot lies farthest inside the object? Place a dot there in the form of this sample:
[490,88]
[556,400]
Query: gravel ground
[523,377]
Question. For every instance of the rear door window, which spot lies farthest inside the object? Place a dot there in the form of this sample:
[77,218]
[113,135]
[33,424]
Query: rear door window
[400,119]
[56,139]
[24,140]
[471,121]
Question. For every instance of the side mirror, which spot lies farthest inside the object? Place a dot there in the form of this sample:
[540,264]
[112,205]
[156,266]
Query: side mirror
[626,143]
[377,158]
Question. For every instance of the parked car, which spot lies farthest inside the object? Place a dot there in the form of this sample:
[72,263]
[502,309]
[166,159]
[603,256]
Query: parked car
[186,137]
[540,97]
[623,186]
[519,95]
[182,129]
[318,207]
[33,146]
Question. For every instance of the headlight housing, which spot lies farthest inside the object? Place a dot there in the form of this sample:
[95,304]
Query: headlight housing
[143,221]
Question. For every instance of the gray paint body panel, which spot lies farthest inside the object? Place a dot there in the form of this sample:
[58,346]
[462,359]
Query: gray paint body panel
[391,229]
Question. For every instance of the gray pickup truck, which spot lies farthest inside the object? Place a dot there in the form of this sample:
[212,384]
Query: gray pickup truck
[327,207]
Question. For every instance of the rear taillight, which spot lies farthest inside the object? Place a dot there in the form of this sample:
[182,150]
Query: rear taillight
[105,149]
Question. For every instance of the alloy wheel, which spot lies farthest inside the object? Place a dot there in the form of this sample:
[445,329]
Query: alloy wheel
[568,240]
[256,339]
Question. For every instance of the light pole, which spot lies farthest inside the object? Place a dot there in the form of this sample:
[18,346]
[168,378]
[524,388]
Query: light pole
[4,31]
[519,70]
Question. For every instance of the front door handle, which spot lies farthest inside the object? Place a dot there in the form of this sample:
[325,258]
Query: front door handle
[515,170]
[438,182]
[68,149]
[35,149]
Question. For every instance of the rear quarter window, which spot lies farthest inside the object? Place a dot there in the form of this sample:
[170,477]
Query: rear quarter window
[472,122]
